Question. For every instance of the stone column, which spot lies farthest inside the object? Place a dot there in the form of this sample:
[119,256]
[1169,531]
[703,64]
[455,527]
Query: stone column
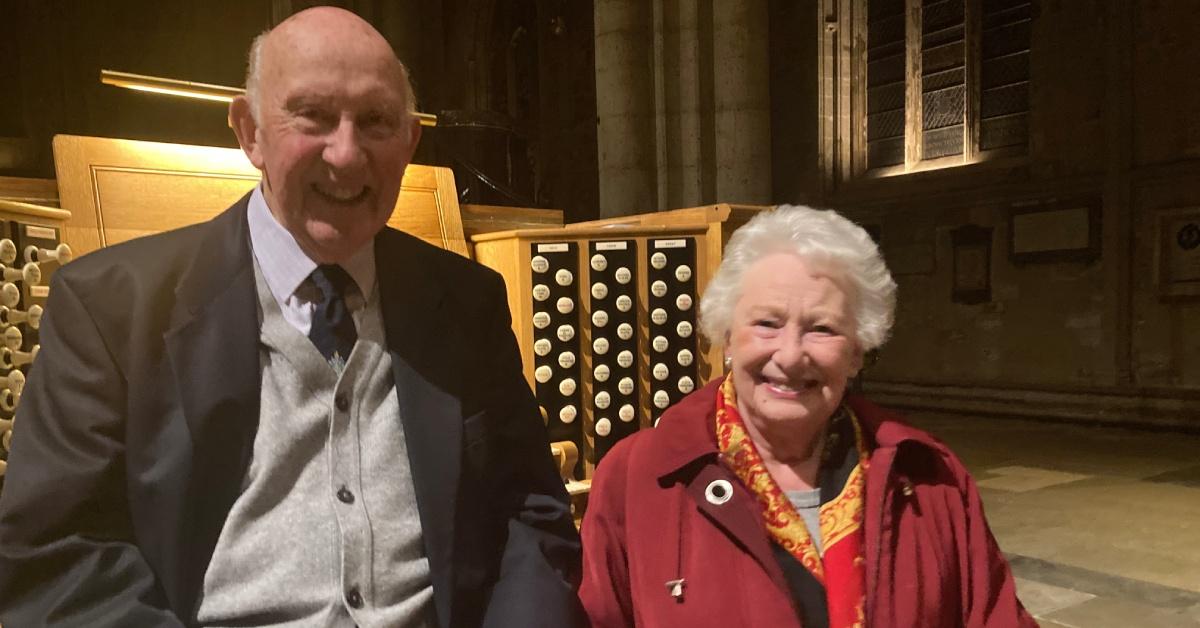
[742,101]
[684,102]
[625,106]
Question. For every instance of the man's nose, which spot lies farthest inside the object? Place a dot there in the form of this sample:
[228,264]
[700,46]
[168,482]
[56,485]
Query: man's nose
[343,149]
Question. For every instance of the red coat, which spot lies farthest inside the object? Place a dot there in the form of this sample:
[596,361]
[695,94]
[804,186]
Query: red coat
[931,559]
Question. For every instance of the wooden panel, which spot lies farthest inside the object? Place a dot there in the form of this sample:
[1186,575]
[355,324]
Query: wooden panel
[121,189]
[37,191]
[488,218]
[131,203]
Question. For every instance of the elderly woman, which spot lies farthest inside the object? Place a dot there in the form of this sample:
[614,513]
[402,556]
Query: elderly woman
[772,497]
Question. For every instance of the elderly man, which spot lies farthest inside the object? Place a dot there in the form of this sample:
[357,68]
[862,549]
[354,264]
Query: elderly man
[289,415]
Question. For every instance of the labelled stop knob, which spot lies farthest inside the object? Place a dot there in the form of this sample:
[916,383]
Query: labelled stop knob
[36,255]
[9,316]
[14,381]
[9,399]
[30,273]
[10,359]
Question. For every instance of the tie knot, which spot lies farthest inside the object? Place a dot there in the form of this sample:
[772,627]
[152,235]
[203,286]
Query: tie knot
[331,280]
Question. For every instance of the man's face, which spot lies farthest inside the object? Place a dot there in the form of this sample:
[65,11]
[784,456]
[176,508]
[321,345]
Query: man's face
[332,139]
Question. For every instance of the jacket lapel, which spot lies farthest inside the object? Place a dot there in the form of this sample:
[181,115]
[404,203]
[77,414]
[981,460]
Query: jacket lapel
[212,345]
[691,458]
[422,346]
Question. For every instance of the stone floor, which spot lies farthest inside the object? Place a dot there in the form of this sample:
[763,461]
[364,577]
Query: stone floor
[1101,525]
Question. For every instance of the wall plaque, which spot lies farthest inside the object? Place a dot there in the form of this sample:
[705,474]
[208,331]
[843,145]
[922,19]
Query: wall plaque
[1055,231]
[1178,257]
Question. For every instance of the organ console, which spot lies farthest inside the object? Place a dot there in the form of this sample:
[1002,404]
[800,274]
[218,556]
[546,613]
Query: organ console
[604,312]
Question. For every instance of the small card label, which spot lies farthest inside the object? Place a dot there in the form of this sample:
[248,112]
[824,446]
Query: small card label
[612,246]
[560,247]
[45,233]
[40,292]
[670,244]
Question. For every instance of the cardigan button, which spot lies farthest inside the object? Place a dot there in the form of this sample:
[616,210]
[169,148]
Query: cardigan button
[906,487]
[718,492]
[354,598]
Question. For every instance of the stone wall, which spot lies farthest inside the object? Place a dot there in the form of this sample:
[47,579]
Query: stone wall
[1114,103]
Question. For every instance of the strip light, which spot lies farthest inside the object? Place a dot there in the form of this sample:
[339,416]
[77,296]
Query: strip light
[189,89]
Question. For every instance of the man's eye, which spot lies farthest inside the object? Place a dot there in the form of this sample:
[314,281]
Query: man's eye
[377,123]
[770,324]
[317,117]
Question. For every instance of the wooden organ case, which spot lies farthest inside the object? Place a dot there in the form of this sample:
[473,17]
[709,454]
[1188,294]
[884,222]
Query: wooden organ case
[605,314]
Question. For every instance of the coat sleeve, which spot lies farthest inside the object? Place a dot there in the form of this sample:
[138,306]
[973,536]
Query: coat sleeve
[605,591]
[988,589]
[66,551]
[539,566]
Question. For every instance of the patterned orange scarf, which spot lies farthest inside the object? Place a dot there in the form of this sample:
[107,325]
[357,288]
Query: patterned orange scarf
[842,569]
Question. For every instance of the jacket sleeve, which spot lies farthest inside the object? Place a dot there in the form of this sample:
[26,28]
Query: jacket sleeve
[66,551]
[989,591]
[605,591]
[539,566]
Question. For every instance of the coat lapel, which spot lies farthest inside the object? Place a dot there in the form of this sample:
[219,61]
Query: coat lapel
[212,345]
[422,347]
[690,457]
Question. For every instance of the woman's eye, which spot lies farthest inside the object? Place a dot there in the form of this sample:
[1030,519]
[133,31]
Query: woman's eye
[824,329]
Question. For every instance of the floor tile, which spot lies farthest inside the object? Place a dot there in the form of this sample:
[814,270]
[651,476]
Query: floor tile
[1041,599]
[1019,479]
[1183,477]
[1109,613]
[1050,623]
[1136,530]
[1097,584]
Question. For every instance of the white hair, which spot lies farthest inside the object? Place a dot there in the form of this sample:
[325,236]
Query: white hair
[254,63]
[819,235]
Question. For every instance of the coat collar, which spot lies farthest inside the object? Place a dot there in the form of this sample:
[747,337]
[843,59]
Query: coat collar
[212,347]
[689,431]
[423,346]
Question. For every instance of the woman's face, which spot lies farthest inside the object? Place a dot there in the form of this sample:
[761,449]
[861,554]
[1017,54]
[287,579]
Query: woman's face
[792,342]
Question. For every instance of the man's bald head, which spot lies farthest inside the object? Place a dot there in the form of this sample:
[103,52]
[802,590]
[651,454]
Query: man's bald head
[328,120]
[319,26]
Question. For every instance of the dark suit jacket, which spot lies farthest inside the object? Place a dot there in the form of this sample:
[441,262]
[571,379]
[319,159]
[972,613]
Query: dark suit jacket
[136,425]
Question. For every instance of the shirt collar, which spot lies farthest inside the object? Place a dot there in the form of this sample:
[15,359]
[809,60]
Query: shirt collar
[285,265]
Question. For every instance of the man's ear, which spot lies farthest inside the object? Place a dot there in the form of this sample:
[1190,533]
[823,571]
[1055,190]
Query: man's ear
[415,135]
[241,118]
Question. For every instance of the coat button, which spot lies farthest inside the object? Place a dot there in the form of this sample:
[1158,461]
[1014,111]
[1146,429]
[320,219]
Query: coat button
[718,492]
[345,496]
[906,487]
[354,598]
[341,402]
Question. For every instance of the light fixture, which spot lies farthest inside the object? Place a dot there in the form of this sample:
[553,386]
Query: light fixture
[189,89]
